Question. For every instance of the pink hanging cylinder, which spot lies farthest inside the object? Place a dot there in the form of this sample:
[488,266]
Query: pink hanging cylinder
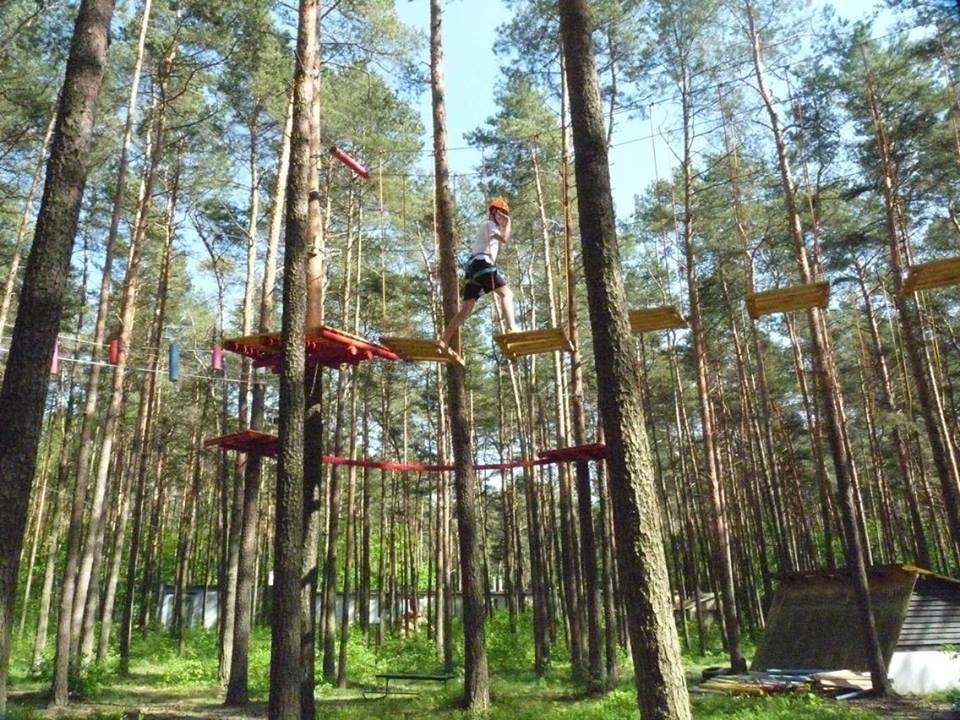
[55,360]
[350,162]
[216,358]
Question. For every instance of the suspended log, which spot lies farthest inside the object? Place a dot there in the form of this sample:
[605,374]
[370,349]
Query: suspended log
[664,317]
[798,297]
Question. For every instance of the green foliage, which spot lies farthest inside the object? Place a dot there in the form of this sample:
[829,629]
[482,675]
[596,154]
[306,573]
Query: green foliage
[198,665]
[953,697]
[91,682]
[509,651]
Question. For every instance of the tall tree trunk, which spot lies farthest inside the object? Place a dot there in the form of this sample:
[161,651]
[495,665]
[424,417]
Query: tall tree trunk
[285,663]
[944,459]
[476,684]
[719,530]
[348,544]
[238,692]
[661,690]
[588,546]
[890,405]
[831,400]
[68,635]
[188,515]
[25,381]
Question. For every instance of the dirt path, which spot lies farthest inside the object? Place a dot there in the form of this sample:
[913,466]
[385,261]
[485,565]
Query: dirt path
[908,708]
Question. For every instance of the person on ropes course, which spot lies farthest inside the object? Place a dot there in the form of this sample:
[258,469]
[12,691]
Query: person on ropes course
[481,274]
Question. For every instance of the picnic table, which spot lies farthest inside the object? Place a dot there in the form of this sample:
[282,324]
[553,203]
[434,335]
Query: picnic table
[409,677]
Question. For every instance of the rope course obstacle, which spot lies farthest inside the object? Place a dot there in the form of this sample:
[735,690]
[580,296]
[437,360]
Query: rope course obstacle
[325,346]
[930,275]
[664,317]
[796,297]
[531,342]
[414,349]
[350,162]
[259,443]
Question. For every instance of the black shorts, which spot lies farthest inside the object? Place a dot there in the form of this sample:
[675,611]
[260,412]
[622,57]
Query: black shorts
[481,276]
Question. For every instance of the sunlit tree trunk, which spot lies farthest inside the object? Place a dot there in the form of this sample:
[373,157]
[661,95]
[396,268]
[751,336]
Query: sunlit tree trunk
[828,383]
[476,683]
[25,382]
[944,459]
[286,673]
[237,687]
[658,672]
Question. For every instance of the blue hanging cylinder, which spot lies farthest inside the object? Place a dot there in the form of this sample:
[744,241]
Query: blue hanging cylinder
[174,363]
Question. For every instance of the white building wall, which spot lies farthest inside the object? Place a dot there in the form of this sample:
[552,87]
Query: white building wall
[919,672]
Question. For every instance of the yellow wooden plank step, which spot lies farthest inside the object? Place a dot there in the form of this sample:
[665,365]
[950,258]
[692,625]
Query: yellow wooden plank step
[929,275]
[422,349]
[797,297]
[664,317]
[529,342]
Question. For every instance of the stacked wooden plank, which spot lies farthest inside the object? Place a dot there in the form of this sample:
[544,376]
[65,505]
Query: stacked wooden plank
[935,274]
[664,317]
[797,297]
[422,349]
[531,342]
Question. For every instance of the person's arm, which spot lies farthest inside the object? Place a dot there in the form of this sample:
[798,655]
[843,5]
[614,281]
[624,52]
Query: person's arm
[505,230]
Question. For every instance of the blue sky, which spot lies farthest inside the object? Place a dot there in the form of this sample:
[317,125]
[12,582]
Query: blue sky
[471,71]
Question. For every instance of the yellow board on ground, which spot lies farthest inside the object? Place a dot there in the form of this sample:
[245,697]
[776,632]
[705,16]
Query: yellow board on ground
[798,297]
[926,276]
[665,317]
[422,349]
[517,344]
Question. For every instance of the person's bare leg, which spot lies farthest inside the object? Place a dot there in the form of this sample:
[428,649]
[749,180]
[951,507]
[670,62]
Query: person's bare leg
[462,314]
[506,300]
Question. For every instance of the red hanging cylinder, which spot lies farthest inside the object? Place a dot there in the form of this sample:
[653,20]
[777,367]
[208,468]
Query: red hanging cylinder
[349,162]
[216,358]
[114,351]
[55,361]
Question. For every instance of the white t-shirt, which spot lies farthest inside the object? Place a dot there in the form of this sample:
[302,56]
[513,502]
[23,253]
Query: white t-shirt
[488,239]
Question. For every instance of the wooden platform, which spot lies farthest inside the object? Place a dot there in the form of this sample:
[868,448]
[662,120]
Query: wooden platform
[253,442]
[665,317]
[324,345]
[531,342]
[593,451]
[926,276]
[798,297]
[422,349]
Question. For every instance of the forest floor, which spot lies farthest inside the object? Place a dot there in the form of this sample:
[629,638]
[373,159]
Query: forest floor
[142,697]
[167,685]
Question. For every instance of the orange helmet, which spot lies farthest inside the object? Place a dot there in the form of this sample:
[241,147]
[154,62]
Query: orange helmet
[500,203]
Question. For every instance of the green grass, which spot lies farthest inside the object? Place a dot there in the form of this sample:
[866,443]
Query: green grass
[163,678]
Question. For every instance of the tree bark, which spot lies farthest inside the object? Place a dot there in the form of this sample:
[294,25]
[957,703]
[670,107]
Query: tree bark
[944,459]
[25,382]
[285,664]
[238,692]
[831,397]
[661,690]
[476,684]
